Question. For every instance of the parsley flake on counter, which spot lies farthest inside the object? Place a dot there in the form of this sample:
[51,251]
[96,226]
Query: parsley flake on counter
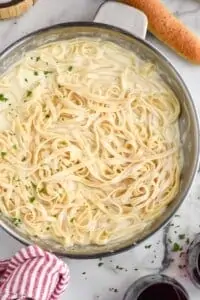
[147,246]
[181,236]
[119,268]
[113,290]
[176,247]
[3,98]
[100,264]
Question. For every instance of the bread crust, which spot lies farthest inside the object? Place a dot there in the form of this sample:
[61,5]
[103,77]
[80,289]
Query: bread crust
[167,28]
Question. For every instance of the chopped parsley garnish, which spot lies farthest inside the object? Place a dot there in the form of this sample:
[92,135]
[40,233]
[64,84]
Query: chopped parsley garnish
[42,190]
[47,116]
[48,228]
[26,79]
[3,154]
[176,247]
[70,68]
[16,221]
[47,72]
[32,199]
[37,58]
[29,93]
[181,236]
[72,220]
[147,246]
[15,147]
[35,73]
[3,98]
[33,185]
[24,158]
[187,241]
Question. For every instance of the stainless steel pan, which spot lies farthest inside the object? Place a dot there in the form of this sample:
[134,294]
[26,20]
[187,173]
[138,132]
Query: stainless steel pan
[134,22]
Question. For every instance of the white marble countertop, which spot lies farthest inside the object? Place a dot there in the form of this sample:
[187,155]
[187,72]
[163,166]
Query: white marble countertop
[89,279]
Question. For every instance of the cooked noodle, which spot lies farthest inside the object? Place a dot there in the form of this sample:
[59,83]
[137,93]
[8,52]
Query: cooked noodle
[90,145]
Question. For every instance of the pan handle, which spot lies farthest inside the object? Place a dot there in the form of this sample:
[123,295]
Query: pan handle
[124,17]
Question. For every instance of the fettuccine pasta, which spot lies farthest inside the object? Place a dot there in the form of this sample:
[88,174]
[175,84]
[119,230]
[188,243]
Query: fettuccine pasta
[90,145]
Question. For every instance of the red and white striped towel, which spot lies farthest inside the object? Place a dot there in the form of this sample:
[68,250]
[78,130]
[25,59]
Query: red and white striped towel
[33,273]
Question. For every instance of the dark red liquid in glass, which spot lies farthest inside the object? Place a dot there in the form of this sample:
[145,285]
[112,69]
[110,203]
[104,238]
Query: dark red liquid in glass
[162,291]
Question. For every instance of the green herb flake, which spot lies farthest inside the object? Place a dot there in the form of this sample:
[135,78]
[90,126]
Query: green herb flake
[72,220]
[35,73]
[42,190]
[25,79]
[47,72]
[24,158]
[33,185]
[48,228]
[16,221]
[32,199]
[100,264]
[37,58]
[187,241]
[47,116]
[3,154]
[119,268]
[29,93]
[113,290]
[14,147]
[70,68]
[147,246]
[3,98]
[176,247]
[181,236]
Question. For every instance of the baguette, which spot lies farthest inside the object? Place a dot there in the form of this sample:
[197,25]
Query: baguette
[14,8]
[167,28]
